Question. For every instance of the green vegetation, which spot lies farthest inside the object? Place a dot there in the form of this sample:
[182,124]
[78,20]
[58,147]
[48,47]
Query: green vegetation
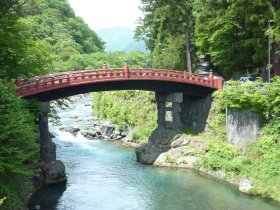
[2,200]
[170,159]
[259,97]
[18,143]
[127,109]
[260,161]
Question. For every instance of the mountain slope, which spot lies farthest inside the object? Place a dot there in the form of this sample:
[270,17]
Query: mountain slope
[120,39]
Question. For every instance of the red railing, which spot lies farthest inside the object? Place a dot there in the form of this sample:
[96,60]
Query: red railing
[37,85]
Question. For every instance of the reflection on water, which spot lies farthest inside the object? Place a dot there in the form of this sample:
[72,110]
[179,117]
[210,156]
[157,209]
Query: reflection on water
[105,175]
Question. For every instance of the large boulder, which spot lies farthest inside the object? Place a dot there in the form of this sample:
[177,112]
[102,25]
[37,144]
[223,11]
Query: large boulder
[107,130]
[245,186]
[159,142]
[72,129]
[53,172]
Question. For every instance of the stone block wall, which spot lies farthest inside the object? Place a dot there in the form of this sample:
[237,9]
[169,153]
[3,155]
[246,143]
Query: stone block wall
[195,112]
[242,127]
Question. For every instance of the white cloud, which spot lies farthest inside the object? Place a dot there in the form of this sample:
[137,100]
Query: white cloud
[107,13]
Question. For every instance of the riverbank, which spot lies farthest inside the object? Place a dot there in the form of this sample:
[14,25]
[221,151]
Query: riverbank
[201,152]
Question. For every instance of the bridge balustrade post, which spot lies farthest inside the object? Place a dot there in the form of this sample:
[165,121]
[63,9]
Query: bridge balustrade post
[211,78]
[18,81]
[220,83]
[185,74]
[68,79]
[126,70]
[104,66]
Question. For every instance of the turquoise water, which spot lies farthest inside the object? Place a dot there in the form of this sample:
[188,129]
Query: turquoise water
[105,175]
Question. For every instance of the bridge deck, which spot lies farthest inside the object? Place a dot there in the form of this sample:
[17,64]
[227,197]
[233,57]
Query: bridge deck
[69,80]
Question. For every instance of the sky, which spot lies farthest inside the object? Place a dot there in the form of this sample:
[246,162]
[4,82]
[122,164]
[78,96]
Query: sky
[99,14]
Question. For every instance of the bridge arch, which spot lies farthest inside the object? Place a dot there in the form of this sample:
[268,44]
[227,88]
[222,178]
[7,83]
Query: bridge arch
[57,86]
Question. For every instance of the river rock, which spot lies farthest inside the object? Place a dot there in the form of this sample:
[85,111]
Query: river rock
[72,129]
[124,133]
[92,133]
[74,116]
[159,142]
[84,132]
[117,133]
[107,130]
[245,186]
[54,173]
[180,143]
[126,139]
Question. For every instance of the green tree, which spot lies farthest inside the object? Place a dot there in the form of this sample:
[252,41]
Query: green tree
[232,33]
[168,25]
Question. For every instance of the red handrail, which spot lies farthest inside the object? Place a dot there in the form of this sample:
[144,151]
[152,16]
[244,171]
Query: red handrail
[37,85]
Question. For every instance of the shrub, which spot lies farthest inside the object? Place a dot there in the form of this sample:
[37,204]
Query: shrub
[140,133]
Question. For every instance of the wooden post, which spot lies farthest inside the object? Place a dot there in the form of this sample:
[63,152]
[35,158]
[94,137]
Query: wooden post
[220,83]
[104,66]
[126,70]
[211,78]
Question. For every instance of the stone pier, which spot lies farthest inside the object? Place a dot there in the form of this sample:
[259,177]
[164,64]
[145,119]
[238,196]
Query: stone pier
[47,147]
[169,123]
[169,103]
[52,170]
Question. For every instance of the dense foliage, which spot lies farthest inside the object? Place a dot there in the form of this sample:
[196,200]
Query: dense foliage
[18,140]
[167,28]
[259,97]
[68,37]
[232,34]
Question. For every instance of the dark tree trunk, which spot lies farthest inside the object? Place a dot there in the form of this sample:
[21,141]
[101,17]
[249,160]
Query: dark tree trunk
[276,58]
[188,52]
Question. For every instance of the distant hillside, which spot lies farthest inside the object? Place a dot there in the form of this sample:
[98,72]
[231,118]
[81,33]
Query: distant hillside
[120,39]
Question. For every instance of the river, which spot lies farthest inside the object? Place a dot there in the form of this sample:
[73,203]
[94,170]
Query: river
[104,175]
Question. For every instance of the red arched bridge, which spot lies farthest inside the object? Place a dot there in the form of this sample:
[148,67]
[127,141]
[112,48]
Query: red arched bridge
[57,86]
